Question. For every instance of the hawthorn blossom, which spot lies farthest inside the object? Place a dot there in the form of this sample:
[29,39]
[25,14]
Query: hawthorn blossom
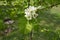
[30,12]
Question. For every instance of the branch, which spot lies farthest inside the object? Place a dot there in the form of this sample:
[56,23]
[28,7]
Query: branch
[51,6]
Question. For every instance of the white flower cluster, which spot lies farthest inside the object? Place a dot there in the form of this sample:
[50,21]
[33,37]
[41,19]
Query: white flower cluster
[30,13]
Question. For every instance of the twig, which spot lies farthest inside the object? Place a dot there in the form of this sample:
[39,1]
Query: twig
[50,6]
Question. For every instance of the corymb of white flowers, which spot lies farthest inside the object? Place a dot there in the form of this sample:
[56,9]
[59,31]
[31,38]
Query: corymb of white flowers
[30,13]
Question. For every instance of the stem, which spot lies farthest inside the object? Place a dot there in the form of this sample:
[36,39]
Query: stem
[28,3]
[31,35]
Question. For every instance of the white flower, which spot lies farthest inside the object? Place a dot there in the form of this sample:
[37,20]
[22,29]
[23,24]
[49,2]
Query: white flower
[28,17]
[32,8]
[35,15]
[30,12]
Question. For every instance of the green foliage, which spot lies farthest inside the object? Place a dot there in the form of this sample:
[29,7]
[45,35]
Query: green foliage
[45,27]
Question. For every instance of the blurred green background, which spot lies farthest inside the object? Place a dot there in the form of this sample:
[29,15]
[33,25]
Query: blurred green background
[45,27]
